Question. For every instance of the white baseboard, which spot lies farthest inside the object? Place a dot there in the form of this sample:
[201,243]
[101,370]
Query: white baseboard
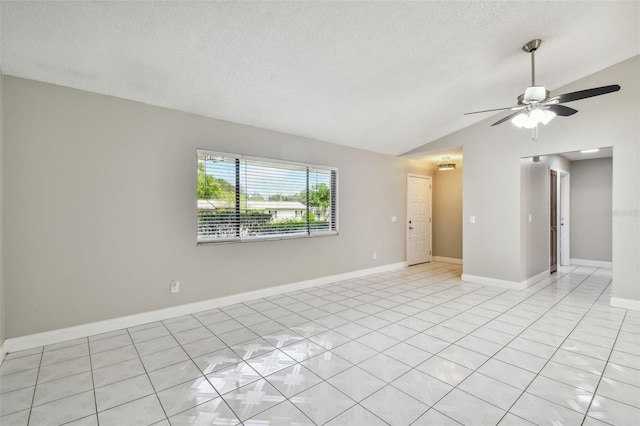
[447,260]
[476,279]
[595,263]
[511,285]
[56,336]
[3,352]
[631,304]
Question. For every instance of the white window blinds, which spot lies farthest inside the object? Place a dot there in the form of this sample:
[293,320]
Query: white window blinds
[245,198]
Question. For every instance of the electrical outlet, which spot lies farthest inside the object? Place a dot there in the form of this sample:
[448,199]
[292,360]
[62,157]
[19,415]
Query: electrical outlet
[175,286]
[394,219]
[375,255]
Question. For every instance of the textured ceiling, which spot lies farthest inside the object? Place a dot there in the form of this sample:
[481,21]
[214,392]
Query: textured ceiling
[381,76]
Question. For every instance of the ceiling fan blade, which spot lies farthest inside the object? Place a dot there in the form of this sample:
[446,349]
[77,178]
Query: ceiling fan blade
[488,110]
[508,117]
[583,94]
[562,111]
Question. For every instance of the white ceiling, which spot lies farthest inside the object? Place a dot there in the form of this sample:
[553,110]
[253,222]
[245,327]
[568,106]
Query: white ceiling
[381,76]
[577,155]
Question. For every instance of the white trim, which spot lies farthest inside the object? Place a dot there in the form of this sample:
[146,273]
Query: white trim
[447,260]
[56,336]
[476,279]
[631,304]
[3,351]
[511,285]
[534,279]
[595,263]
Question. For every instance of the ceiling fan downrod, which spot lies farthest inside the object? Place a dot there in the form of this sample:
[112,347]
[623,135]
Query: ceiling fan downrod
[531,47]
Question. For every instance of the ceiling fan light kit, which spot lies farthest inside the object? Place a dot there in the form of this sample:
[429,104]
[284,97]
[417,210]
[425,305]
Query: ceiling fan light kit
[446,164]
[532,118]
[535,106]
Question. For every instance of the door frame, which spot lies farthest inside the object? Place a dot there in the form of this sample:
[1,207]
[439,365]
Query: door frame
[430,178]
[564,240]
[563,201]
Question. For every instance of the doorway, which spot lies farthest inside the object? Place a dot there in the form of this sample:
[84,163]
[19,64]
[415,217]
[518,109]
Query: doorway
[565,219]
[418,219]
[553,222]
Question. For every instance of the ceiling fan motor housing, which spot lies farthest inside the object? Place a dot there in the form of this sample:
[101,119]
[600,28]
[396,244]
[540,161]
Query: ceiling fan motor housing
[533,94]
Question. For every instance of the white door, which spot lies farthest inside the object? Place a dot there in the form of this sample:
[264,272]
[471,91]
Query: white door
[418,219]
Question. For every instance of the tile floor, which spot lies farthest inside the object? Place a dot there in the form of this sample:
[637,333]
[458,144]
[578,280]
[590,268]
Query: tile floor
[411,347]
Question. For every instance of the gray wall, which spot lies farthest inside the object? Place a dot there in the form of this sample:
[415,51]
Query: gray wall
[492,247]
[100,209]
[591,222]
[447,213]
[534,205]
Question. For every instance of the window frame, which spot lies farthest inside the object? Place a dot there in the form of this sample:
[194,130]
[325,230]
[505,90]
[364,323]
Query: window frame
[309,232]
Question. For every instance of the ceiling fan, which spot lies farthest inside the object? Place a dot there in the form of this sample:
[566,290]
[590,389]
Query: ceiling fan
[535,106]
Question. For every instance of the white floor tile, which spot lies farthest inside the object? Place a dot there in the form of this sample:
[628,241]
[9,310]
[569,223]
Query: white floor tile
[434,417]
[19,380]
[175,374]
[62,388]
[302,350]
[397,342]
[145,410]
[619,391]
[322,402]
[214,412]
[444,370]
[613,412]
[421,386]
[570,397]
[285,413]
[121,392]
[394,406]
[540,411]
[293,380]
[186,395]
[16,400]
[571,376]
[19,418]
[356,383]
[356,415]
[231,378]
[622,374]
[490,390]
[327,364]
[507,373]
[252,399]
[476,411]
[64,410]
[384,367]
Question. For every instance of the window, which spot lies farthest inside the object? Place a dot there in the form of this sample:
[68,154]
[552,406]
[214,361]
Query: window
[246,198]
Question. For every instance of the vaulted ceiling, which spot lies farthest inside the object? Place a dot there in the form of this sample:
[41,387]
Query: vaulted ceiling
[381,76]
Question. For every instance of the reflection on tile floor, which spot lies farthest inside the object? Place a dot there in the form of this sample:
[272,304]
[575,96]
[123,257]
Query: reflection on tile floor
[411,347]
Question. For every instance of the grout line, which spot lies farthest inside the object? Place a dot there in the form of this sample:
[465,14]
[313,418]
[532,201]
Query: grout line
[558,348]
[93,383]
[148,378]
[402,283]
[35,386]
[595,391]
